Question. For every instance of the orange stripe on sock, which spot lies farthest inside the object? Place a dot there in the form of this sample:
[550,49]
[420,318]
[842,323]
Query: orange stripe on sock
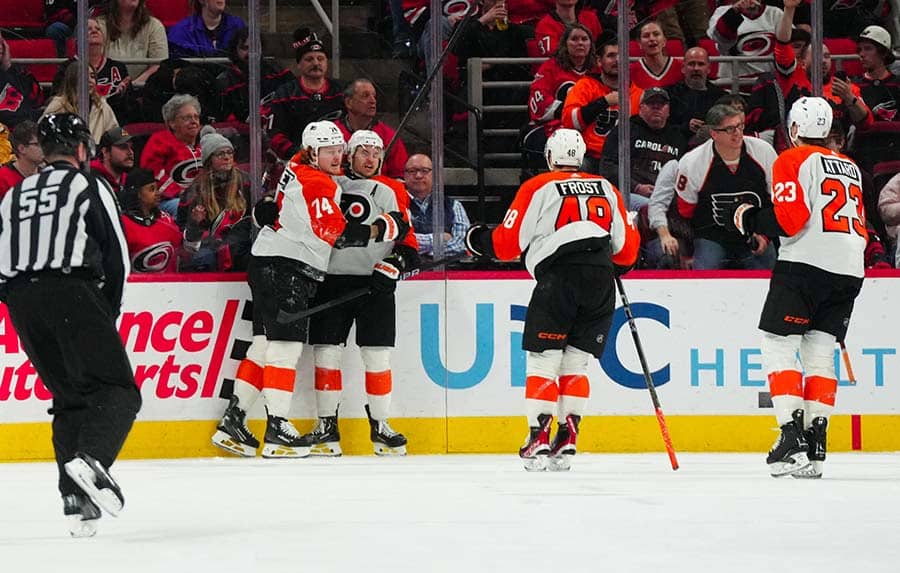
[820,389]
[378,383]
[328,380]
[279,378]
[251,373]
[540,388]
[576,385]
[786,383]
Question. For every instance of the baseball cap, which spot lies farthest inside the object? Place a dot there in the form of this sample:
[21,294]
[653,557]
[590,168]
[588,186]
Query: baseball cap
[876,35]
[305,41]
[114,136]
[654,92]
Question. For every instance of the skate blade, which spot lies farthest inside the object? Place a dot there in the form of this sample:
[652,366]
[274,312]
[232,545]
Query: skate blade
[82,474]
[561,463]
[535,464]
[79,528]
[326,450]
[814,471]
[277,451]
[230,445]
[385,450]
[798,462]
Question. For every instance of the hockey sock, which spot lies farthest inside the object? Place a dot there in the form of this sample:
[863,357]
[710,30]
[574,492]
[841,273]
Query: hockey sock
[817,355]
[329,382]
[541,391]
[818,395]
[574,386]
[376,360]
[248,382]
[779,361]
[279,374]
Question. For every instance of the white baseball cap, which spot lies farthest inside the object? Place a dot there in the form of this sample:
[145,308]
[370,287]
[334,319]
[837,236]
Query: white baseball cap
[876,35]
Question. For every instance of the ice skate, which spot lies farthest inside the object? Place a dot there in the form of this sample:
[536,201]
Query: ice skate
[82,515]
[324,440]
[788,455]
[232,434]
[816,439]
[563,447]
[95,481]
[385,440]
[283,440]
[537,446]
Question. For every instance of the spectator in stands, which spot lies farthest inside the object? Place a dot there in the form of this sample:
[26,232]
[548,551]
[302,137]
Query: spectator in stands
[880,89]
[889,209]
[173,154]
[132,32]
[115,158]
[686,20]
[528,12]
[551,28]
[20,93]
[745,28]
[654,142]
[113,81]
[28,153]
[655,68]
[729,169]
[360,108]
[420,185]
[6,148]
[100,118]
[592,105]
[59,16]
[233,82]
[206,33]
[694,94]
[313,97]
[401,33]
[154,240]
[215,211]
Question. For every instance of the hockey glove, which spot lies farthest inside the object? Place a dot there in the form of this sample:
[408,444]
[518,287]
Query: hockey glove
[620,270]
[265,213]
[479,241]
[391,227]
[386,274]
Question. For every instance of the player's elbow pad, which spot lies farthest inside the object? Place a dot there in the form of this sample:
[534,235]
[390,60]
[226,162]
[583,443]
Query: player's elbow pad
[354,235]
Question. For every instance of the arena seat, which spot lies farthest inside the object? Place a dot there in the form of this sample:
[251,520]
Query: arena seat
[169,11]
[27,14]
[140,133]
[39,48]
[845,46]
[876,144]
[884,172]
[712,50]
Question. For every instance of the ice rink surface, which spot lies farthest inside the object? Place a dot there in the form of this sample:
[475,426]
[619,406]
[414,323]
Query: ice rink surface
[461,513]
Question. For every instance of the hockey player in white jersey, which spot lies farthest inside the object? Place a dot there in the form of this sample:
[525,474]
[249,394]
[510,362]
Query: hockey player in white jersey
[377,266]
[290,258]
[818,213]
[576,234]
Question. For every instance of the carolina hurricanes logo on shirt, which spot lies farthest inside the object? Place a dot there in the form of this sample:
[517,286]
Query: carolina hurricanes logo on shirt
[185,171]
[885,111]
[11,99]
[563,90]
[153,259]
[756,44]
[845,4]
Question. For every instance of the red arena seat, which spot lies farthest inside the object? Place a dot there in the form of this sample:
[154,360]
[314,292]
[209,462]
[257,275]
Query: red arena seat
[844,46]
[169,11]
[41,48]
[22,14]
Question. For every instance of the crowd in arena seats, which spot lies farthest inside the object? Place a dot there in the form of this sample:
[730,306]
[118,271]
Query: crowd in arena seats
[185,123]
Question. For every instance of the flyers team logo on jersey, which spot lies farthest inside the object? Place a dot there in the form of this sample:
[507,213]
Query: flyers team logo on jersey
[723,204]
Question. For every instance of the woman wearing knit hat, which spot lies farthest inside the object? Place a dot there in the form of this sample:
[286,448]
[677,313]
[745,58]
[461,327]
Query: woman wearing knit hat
[214,210]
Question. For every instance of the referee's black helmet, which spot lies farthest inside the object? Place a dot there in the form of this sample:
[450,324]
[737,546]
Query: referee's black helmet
[61,133]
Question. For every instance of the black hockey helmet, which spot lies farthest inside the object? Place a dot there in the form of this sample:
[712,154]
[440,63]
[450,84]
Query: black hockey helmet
[62,132]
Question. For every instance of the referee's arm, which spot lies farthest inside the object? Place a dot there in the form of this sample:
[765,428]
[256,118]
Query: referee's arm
[104,226]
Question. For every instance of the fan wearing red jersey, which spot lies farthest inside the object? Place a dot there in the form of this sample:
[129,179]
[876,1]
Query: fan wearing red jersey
[818,211]
[577,235]
[290,258]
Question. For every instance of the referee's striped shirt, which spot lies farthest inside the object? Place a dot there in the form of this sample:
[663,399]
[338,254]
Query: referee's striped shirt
[62,219]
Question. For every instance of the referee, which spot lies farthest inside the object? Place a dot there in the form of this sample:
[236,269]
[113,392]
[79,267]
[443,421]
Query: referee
[63,266]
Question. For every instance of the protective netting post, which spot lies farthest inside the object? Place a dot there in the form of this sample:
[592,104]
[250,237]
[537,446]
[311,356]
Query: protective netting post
[624,126]
[436,116]
[254,61]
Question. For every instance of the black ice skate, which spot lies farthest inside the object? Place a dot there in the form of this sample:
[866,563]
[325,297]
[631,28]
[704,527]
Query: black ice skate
[232,434]
[82,515]
[282,439]
[815,438]
[563,447]
[95,481]
[788,455]
[324,440]
[385,440]
[537,445]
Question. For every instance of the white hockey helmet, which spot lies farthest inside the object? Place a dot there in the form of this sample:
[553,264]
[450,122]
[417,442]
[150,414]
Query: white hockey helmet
[810,118]
[565,147]
[364,137]
[321,134]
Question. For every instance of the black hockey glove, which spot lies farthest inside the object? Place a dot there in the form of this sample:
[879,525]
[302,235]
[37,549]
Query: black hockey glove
[620,270]
[386,274]
[391,227]
[265,213]
[479,241]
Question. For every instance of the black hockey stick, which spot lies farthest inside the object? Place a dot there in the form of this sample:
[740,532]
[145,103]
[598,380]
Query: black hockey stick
[647,378]
[355,294]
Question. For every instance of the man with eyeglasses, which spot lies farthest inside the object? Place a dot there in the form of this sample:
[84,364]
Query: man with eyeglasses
[29,156]
[729,169]
[419,183]
[115,158]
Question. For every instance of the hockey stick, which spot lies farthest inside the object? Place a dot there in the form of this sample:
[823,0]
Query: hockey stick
[355,294]
[846,356]
[647,378]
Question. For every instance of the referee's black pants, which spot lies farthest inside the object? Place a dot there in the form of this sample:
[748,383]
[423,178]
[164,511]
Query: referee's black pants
[68,330]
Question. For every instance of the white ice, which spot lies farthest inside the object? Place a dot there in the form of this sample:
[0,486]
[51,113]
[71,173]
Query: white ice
[460,513]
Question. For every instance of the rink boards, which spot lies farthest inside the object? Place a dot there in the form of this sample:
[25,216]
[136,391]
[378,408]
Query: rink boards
[459,369]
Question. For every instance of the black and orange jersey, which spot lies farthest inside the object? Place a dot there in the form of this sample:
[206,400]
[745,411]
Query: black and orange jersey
[563,212]
[594,127]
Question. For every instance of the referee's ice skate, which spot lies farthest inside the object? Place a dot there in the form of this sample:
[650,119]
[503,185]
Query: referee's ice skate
[95,481]
[82,515]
